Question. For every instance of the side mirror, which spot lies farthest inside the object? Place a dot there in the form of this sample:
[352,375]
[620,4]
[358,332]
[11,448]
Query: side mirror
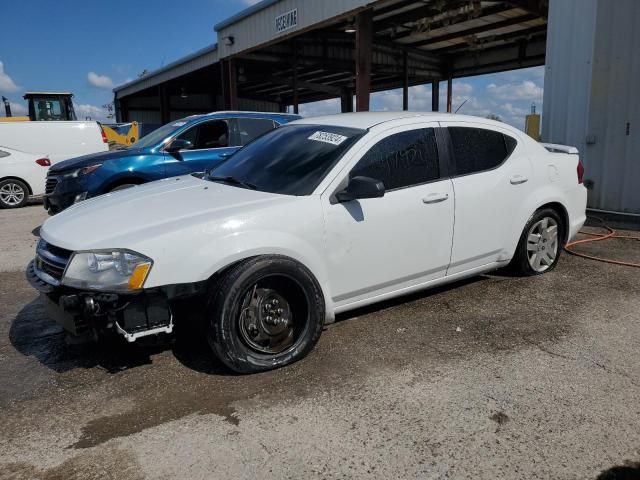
[178,144]
[361,187]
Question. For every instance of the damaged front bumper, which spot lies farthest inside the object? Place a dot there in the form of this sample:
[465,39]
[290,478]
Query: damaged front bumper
[88,313]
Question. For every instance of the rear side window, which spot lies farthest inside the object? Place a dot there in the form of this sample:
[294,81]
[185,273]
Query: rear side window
[401,160]
[250,128]
[477,149]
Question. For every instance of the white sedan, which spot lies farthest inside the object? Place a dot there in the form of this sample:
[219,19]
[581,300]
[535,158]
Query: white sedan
[22,175]
[317,217]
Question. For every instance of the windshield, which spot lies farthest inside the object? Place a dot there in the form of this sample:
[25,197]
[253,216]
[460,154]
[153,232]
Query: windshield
[155,137]
[290,160]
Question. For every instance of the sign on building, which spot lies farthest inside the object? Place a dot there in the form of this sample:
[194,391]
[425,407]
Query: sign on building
[287,20]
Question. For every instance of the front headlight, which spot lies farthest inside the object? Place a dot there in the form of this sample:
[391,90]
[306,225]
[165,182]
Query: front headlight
[80,172]
[108,270]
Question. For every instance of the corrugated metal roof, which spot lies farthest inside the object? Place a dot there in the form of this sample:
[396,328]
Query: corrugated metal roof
[195,61]
[244,13]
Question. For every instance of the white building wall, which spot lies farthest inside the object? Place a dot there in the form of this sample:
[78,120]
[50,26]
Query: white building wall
[592,85]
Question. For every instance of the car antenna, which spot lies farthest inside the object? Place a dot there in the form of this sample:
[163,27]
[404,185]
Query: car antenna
[461,105]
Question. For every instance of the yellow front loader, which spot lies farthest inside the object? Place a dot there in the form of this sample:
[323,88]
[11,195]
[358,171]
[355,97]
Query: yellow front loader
[124,134]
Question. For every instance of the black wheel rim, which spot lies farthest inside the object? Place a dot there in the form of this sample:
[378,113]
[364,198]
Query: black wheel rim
[271,315]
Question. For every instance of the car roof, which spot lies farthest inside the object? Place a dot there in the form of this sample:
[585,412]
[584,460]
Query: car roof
[244,114]
[366,120]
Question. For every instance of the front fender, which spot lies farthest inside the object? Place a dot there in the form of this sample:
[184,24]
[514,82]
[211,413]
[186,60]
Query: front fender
[209,258]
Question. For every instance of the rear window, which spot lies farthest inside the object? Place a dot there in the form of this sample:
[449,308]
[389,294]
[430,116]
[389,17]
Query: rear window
[478,149]
[250,128]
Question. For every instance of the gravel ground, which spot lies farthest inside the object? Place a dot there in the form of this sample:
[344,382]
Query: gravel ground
[494,377]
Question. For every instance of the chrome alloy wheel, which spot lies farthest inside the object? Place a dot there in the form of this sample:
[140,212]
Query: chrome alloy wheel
[542,244]
[11,194]
[266,321]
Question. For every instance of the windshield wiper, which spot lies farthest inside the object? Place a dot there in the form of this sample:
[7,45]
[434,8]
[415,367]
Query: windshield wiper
[233,181]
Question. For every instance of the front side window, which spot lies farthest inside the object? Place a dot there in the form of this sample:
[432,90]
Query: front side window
[402,159]
[290,160]
[479,149]
[211,134]
[250,128]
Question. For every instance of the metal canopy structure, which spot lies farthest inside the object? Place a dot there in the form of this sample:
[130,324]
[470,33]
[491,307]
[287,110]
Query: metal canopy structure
[379,46]
[286,52]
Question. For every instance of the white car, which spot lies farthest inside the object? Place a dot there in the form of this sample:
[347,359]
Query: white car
[60,139]
[317,217]
[22,175]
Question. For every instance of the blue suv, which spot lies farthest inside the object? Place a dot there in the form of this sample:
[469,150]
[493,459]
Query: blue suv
[193,144]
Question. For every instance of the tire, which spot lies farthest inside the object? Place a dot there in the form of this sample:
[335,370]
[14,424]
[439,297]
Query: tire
[537,256]
[14,193]
[123,187]
[241,307]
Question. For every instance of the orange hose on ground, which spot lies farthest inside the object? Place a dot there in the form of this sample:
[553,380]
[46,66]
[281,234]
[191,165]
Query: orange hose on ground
[597,238]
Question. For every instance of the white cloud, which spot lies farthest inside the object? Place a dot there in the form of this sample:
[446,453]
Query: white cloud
[85,110]
[510,109]
[323,107]
[461,88]
[7,84]
[99,81]
[508,95]
[525,90]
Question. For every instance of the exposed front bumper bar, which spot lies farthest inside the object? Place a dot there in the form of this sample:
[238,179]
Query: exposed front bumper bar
[81,312]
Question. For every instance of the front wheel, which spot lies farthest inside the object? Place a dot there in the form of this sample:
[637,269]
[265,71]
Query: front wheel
[540,244]
[13,193]
[265,313]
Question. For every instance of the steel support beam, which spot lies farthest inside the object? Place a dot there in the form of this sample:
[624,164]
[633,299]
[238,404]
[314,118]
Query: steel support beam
[295,77]
[163,96]
[364,47]
[449,94]
[435,95]
[405,81]
[229,84]
[233,84]
[346,101]
[475,30]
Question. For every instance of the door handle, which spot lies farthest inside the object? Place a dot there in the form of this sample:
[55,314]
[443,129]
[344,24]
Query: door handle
[518,179]
[435,198]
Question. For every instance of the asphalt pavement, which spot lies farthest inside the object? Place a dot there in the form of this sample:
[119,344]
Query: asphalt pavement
[493,377]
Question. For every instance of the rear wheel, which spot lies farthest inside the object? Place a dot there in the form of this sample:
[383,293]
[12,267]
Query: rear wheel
[13,193]
[540,244]
[265,313]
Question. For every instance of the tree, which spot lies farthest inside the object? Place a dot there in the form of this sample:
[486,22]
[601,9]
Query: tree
[493,116]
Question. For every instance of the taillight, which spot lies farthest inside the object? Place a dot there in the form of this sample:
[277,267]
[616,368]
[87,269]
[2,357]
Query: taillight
[580,171]
[44,162]
[104,135]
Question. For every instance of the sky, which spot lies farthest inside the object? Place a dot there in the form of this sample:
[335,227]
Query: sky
[89,47]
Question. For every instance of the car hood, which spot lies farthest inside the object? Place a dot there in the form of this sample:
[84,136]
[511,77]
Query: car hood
[92,159]
[127,218]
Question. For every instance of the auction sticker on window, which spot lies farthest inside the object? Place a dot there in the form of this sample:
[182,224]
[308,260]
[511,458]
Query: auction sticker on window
[326,137]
